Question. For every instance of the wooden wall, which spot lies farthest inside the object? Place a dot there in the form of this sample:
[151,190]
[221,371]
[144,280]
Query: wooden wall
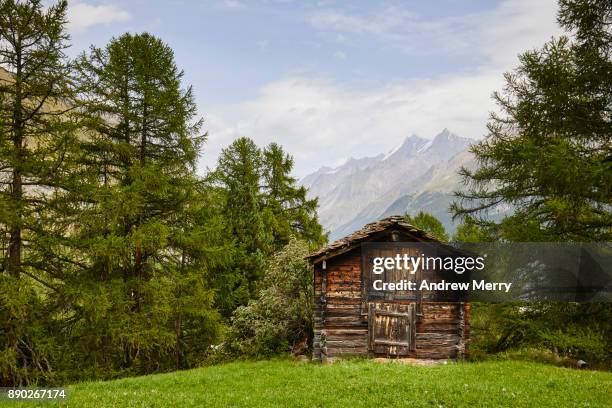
[340,328]
[341,316]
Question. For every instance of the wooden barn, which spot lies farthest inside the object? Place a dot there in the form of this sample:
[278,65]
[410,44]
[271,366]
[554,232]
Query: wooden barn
[349,320]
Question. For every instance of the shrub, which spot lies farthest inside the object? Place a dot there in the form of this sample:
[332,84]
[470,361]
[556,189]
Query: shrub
[566,330]
[280,318]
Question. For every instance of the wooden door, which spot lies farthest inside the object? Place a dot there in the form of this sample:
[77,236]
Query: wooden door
[391,328]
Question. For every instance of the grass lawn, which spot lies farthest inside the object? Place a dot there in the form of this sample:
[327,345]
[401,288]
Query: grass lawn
[353,383]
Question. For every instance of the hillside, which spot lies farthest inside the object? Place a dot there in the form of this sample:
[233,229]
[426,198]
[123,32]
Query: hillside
[353,383]
[419,174]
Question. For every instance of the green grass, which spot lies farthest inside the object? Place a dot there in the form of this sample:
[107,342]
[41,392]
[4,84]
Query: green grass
[353,383]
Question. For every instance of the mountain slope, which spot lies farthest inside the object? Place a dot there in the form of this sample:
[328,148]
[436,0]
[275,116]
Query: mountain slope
[419,174]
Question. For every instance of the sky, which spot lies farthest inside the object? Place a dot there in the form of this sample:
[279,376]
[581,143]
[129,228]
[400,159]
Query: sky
[329,80]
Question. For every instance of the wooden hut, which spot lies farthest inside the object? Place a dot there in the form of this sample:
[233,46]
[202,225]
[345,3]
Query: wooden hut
[350,322]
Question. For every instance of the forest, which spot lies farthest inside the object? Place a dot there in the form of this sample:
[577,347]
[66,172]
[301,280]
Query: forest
[119,259]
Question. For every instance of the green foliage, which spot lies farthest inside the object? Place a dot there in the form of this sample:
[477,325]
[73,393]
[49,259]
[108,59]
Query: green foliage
[147,243]
[263,207]
[428,223]
[238,175]
[116,258]
[548,157]
[280,318]
[566,330]
[290,212]
[119,259]
[549,153]
[35,137]
[27,348]
[111,240]
[471,231]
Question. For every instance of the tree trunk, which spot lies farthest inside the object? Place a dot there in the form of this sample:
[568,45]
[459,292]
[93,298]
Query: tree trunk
[177,345]
[15,243]
[178,318]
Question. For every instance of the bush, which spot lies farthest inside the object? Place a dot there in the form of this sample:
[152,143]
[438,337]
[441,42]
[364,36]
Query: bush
[280,318]
[565,330]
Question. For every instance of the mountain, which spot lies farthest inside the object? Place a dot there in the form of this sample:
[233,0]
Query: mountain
[419,174]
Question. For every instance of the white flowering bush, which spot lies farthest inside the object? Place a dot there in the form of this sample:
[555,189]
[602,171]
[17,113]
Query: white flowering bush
[280,318]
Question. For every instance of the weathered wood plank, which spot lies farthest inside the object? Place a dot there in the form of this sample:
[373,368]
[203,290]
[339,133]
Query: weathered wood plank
[346,351]
[433,336]
[353,331]
[347,343]
[344,311]
[391,343]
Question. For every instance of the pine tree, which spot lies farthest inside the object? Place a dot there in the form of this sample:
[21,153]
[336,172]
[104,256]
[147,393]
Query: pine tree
[264,208]
[35,139]
[290,212]
[549,154]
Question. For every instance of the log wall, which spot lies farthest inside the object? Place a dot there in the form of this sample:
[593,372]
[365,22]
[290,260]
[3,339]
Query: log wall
[341,316]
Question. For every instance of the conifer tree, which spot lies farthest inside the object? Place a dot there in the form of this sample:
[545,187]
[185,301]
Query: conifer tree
[549,153]
[290,212]
[428,223]
[136,223]
[35,138]
[548,156]
[34,87]
[201,247]
[280,317]
[264,208]
[470,231]
[238,174]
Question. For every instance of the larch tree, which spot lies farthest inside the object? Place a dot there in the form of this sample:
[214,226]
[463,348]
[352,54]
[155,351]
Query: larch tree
[548,153]
[548,156]
[36,135]
[137,204]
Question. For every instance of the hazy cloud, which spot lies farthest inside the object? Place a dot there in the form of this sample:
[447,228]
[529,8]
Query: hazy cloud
[232,4]
[84,15]
[494,34]
[340,55]
[320,122]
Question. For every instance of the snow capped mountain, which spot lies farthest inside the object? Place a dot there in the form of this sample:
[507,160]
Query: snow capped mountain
[419,174]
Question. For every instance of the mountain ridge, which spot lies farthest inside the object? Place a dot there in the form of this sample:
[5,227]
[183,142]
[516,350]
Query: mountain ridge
[419,174]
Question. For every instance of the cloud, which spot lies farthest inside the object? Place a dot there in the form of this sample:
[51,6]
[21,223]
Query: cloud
[517,26]
[512,25]
[321,120]
[399,28]
[232,4]
[83,15]
[262,44]
[382,22]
